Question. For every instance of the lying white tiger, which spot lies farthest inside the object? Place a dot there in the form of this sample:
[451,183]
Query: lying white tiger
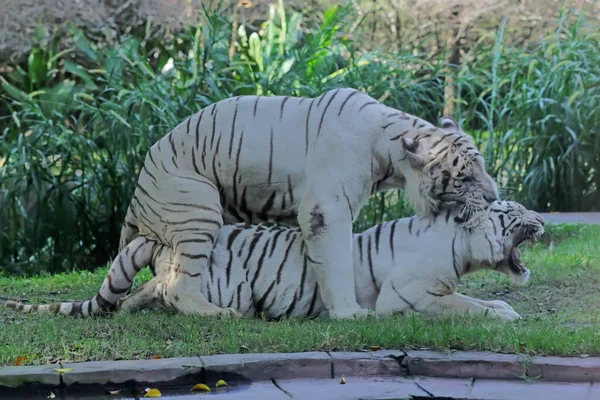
[403,265]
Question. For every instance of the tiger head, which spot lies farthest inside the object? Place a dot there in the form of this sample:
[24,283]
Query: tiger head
[495,242]
[450,169]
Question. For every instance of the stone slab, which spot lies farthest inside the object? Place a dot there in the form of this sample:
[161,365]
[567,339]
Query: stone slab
[142,371]
[462,364]
[364,364]
[250,368]
[260,367]
[565,369]
[515,390]
[355,388]
[35,374]
[447,387]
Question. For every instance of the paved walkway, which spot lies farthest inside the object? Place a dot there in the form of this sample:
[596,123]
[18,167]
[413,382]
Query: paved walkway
[378,375]
[573,217]
[358,388]
[392,388]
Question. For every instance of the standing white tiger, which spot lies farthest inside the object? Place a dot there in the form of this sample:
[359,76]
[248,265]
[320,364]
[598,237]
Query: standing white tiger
[411,264]
[311,162]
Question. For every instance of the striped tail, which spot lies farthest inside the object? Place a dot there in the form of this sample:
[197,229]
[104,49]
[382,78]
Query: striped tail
[135,256]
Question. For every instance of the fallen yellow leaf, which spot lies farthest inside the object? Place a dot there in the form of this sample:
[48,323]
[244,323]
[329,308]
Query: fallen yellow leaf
[343,380]
[63,370]
[375,348]
[52,395]
[201,386]
[156,357]
[114,391]
[221,382]
[19,360]
[152,393]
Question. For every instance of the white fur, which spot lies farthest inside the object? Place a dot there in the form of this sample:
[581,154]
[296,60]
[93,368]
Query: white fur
[306,162]
[412,264]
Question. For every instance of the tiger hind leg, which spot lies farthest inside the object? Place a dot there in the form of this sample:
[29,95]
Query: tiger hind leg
[147,296]
[191,233]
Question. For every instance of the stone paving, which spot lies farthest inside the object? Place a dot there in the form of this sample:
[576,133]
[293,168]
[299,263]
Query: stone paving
[383,374]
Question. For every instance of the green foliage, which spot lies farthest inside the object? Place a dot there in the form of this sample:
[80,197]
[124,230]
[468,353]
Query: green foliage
[75,124]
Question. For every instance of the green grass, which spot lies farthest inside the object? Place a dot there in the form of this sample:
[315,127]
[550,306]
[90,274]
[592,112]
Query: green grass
[560,306]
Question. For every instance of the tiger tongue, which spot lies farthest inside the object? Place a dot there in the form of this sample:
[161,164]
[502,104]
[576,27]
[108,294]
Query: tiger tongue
[517,255]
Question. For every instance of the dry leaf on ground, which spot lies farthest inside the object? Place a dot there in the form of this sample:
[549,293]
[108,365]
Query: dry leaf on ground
[20,360]
[221,382]
[200,386]
[152,393]
[63,370]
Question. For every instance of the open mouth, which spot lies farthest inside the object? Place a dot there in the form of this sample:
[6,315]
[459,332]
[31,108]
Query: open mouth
[514,259]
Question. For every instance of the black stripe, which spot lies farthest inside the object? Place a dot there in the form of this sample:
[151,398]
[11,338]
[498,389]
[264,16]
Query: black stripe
[377,237]
[348,201]
[194,256]
[275,241]
[412,307]
[173,143]
[303,278]
[292,305]
[454,262]
[260,263]
[112,288]
[345,101]
[258,307]
[286,98]
[287,252]
[263,215]
[360,252]
[325,111]
[219,291]
[198,128]
[237,168]
[256,105]
[122,268]
[239,291]
[290,189]
[255,238]
[370,260]
[410,224]
[367,104]
[214,128]
[313,301]
[233,127]
[307,120]
[270,158]
[392,237]
[435,294]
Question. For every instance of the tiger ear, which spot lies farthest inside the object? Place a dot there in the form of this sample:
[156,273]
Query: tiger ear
[410,146]
[449,123]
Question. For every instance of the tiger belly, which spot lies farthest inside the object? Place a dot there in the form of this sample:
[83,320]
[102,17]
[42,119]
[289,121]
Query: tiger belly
[265,270]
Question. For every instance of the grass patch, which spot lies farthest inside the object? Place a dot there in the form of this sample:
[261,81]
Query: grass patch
[560,306]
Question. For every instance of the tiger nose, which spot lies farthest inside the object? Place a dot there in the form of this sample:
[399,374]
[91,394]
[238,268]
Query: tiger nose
[490,197]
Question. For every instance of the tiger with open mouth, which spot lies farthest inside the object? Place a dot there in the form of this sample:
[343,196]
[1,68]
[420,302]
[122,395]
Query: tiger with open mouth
[411,264]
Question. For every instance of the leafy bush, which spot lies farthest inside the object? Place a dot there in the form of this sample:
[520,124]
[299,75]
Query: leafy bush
[76,124]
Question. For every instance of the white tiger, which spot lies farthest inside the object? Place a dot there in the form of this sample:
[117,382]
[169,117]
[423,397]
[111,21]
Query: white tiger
[310,162]
[411,264]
